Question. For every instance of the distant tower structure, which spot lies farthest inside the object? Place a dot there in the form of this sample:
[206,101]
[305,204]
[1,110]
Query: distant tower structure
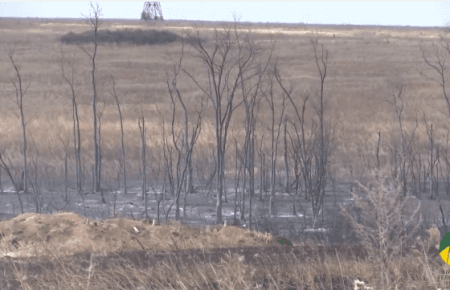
[152,11]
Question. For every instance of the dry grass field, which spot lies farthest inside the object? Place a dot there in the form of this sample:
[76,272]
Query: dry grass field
[366,66]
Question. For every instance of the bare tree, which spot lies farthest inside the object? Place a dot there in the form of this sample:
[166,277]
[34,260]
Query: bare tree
[297,173]
[287,185]
[269,95]
[313,161]
[237,175]
[161,196]
[66,154]
[20,92]
[434,157]
[94,17]
[168,174]
[437,61]
[405,142]
[99,135]
[141,124]
[321,160]
[445,157]
[116,98]
[158,198]
[251,80]
[418,169]
[76,123]
[187,145]
[377,153]
[36,184]
[262,169]
[173,90]
[13,180]
[225,63]
[167,152]
[1,184]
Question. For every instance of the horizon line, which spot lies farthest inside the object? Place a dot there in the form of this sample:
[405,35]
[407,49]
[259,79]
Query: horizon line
[224,22]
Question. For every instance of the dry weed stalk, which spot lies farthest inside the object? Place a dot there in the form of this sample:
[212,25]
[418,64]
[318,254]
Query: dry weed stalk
[382,231]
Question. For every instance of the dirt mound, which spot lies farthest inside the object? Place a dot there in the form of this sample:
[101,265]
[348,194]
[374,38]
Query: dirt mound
[68,233]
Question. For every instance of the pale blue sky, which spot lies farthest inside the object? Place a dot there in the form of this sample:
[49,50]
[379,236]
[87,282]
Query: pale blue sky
[363,13]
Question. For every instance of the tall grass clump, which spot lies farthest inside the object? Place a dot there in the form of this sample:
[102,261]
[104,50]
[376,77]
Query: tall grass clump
[388,237]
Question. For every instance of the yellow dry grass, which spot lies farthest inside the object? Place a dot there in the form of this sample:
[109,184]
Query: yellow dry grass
[366,66]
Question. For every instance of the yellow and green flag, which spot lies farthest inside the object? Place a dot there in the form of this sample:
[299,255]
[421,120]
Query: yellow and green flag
[444,248]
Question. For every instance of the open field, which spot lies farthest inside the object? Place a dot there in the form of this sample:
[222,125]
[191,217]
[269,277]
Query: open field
[108,245]
[364,70]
